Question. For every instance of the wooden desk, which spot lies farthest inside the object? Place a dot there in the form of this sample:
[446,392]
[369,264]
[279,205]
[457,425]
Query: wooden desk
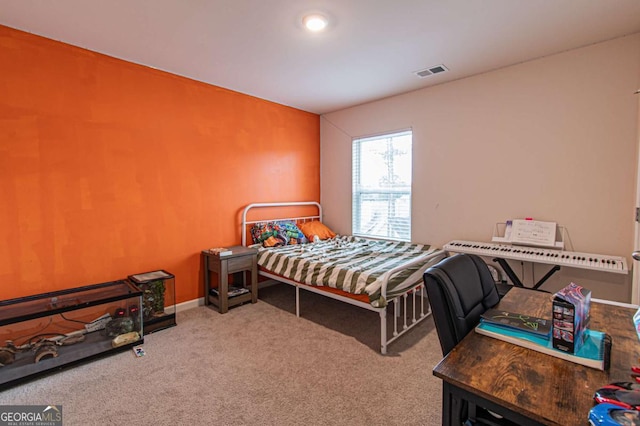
[529,387]
[241,260]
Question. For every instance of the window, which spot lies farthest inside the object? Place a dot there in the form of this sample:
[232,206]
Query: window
[382,186]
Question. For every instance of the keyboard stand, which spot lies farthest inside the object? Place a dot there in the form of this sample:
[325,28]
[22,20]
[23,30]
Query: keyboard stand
[498,236]
[514,278]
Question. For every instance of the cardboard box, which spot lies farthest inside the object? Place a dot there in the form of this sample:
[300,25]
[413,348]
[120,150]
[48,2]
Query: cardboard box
[570,317]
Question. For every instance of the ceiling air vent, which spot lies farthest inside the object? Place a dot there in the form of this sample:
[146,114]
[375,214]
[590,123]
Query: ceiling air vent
[431,71]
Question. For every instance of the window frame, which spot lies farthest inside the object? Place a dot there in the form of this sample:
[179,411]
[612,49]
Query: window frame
[357,191]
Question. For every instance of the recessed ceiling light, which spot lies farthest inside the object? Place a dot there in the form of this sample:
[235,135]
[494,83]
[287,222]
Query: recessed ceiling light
[315,22]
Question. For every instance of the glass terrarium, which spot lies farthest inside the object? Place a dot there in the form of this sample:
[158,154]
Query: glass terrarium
[53,330]
[158,299]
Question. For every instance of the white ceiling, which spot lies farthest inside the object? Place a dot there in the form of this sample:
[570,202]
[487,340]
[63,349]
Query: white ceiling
[370,51]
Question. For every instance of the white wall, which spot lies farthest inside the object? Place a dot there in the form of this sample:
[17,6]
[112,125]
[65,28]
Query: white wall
[553,139]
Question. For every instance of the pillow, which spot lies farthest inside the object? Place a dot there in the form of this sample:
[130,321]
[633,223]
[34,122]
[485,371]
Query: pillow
[267,235]
[275,234]
[289,232]
[315,227]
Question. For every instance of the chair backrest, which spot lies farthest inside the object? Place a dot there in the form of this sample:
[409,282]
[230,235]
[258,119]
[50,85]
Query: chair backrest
[460,289]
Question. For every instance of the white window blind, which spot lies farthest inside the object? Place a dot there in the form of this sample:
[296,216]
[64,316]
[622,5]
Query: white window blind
[382,186]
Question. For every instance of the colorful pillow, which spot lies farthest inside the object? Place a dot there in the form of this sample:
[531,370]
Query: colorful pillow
[289,231]
[267,235]
[275,234]
[313,228]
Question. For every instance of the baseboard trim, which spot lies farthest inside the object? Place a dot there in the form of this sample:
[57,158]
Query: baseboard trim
[194,303]
[185,306]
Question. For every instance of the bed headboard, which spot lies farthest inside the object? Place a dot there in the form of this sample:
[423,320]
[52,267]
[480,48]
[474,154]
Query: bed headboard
[256,206]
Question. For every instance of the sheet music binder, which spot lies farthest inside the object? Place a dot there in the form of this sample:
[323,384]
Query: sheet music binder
[594,353]
[503,233]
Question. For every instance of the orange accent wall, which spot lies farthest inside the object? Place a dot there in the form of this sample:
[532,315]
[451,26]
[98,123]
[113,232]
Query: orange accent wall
[109,168]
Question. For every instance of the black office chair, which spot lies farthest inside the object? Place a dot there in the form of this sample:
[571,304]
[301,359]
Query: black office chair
[460,289]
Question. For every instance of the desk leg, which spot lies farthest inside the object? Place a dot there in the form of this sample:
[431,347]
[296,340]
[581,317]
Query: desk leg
[446,404]
[451,406]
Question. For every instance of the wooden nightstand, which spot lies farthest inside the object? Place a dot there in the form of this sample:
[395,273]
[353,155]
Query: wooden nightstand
[241,260]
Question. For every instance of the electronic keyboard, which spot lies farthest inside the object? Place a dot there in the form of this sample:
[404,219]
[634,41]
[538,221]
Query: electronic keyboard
[598,262]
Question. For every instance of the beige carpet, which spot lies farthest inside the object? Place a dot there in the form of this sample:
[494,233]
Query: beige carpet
[256,365]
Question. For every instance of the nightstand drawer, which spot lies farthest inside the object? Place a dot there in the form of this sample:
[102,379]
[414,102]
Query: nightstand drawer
[237,264]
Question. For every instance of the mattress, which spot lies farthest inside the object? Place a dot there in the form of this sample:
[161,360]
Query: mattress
[351,264]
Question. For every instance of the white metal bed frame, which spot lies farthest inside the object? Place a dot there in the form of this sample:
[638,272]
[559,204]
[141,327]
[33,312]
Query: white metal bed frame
[410,317]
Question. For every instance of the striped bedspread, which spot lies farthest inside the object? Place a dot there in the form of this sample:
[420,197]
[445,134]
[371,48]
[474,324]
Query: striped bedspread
[352,264]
